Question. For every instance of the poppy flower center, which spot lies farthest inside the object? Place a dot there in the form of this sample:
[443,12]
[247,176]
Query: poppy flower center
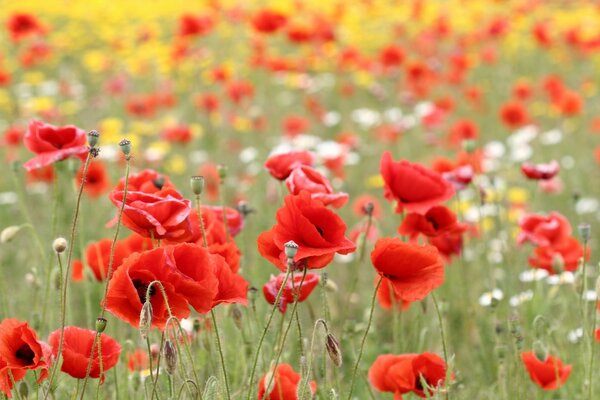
[25,354]
[141,289]
[320,230]
[433,223]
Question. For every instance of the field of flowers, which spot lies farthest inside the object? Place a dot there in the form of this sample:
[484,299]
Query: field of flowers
[283,200]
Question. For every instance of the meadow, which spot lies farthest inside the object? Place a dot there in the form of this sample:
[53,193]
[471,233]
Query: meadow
[289,200]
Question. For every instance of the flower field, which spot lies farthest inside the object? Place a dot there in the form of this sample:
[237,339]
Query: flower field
[284,200]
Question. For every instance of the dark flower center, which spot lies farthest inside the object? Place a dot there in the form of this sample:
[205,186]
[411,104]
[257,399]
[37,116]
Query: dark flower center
[25,354]
[141,289]
[320,230]
[433,223]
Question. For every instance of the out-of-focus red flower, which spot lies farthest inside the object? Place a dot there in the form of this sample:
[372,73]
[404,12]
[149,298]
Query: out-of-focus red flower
[400,374]
[268,21]
[413,186]
[294,125]
[541,33]
[207,102]
[463,130]
[460,176]
[97,181]
[299,33]
[413,270]
[76,350]
[271,288]
[359,206]
[544,230]
[284,384]
[549,374]
[177,134]
[240,90]
[448,244]
[540,171]
[306,178]
[143,106]
[20,351]
[280,166]
[195,25]
[13,135]
[391,56]
[52,143]
[318,231]
[562,256]
[522,90]
[21,25]
[514,115]
[138,360]
[570,103]
[438,220]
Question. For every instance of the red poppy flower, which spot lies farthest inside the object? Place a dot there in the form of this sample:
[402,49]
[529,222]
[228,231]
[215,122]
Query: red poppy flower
[540,171]
[514,115]
[77,348]
[460,176]
[570,103]
[268,21]
[21,25]
[20,351]
[387,297]
[13,135]
[412,269]
[402,373]
[284,384]
[233,288]
[207,102]
[192,25]
[138,360]
[564,254]
[97,181]
[235,220]
[318,231]
[177,134]
[306,178]
[294,125]
[163,215]
[462,130]
[360,203]
[128,286]
[239,90]
[271,288]
[448,244]
[522,90]
[391,56]
[413,186]
[52,143]
[544,230]
[147,181]
[436,221]
[44,174]
[280,166]
[549,374]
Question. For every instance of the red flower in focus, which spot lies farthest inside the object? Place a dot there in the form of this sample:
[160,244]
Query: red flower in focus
[402,373]
[318,231]
[413,270]
[192,25]
[413,186]
[21,25]
[177,134]
[306,178]
[76,350]
[284,384]
[268,21]
[20,351]
[271,288]
[562,256]
[387,297]
[540,171]
[438,220]
[280,166]
[544,230]
[549,374]
[163,215]
[448,244]
[52,143]
[147,181]
[235,220]
[514,115]
[96,181]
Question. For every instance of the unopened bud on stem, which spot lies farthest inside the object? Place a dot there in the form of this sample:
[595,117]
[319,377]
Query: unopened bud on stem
[125,145]
[197,184]
[92,138]
[59,245]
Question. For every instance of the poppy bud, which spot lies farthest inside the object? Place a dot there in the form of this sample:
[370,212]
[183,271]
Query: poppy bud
[222,169]
[92,138]
[170,354]
[145,320]
[100,324]
[333,395]
[59,245]
[333,349]
[196,325]
[125,147]
[540,350]
[368,208]
[236,314]
[197,184]
[469,146]
[585,231]
[159,182]
[9,233]
[56,278]
[291,249]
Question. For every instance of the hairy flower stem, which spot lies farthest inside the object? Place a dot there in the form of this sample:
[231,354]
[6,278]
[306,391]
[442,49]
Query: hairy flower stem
[201,221]
[149,359]
[296,294]
[285,333]
[364,338]
[220,349]
[442,334]
[311,354]
[63,298]
[264,332]
[592,353]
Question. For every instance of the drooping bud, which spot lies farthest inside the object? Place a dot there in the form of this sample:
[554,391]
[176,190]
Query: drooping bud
[125,145]
[9,233]
[333,350]
[333,395]
[540,350]
[145,320]
[222,169]
[100,324]
[291,249]
[59,245]
[170,355]
[92,138]
[197,184]
[585,231]
[236,314]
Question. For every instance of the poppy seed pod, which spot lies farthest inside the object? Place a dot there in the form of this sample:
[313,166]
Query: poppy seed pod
[585,231]
[291,249]
[197,184]
[59,245]
[125,146]
[222,169]
[100,324]
[92,138]
[170,354]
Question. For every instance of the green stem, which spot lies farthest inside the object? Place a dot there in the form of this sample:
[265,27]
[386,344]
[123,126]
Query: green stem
[442,334]
[220,349]
[364,338]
